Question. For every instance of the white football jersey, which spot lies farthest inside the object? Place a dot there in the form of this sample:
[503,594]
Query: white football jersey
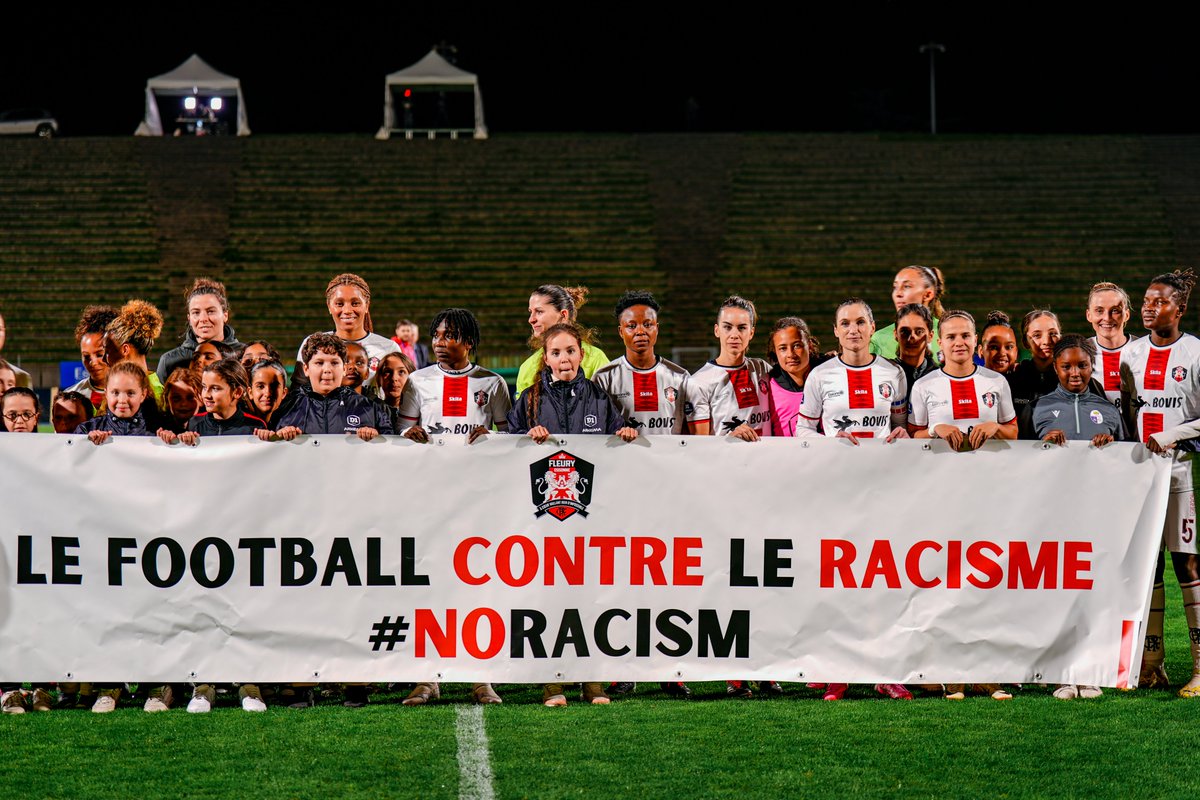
[651,400]
[982,396]
[865,402]
[726,397]
[1162,382]
[445,401]
[1106,368]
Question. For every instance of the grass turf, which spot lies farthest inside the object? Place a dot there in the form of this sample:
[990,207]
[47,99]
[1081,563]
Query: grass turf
[645,745]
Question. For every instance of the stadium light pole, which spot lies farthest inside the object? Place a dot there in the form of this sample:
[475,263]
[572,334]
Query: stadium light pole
[933,48]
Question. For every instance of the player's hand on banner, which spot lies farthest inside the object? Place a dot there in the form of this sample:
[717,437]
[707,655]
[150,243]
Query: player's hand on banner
[897,433]
[1059,438]
[286,434]
[417,434]
[1101,439]
[367,434]
[168,437]
[476,433]
[1157,448]
[743,432]
[952,435]
[539,434]
[982,432]
[844,435]
[628,434]
[99,437]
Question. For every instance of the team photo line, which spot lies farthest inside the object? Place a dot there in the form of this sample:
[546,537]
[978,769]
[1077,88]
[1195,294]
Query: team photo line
[934,373]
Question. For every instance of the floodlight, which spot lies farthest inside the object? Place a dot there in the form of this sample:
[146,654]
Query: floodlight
[189,103]
[216,104]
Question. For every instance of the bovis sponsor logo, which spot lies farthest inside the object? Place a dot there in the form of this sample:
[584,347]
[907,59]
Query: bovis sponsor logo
[561,485]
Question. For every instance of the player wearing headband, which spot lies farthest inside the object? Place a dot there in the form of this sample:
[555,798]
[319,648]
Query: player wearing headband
[1160,391]
[856,395]
[729,396]
[962,402]
[1108,311]
[650,391]
[454,396]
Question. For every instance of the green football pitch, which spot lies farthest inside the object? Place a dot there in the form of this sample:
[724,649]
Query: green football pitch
[1125,744]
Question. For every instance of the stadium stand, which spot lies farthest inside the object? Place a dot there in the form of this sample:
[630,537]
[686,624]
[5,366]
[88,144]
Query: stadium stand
[795,222]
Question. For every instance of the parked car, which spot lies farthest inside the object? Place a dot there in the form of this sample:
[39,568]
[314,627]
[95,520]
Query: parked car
[28,122]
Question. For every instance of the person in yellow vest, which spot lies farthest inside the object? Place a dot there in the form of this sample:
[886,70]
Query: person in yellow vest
[549,305]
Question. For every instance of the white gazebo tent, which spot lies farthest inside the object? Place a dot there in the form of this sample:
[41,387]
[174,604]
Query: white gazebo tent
[431,74]
[192,77]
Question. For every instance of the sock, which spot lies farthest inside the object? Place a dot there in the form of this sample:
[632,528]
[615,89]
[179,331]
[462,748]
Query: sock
[1191,609]
[1153,654]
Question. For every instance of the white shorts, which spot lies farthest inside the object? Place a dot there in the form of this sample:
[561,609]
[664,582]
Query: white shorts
[1179,530]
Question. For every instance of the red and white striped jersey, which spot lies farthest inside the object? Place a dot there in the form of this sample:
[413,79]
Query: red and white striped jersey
[651,400]
[1106,368]
[865,402]
[730,396]
[445,401]
[982,396]
[1163,382]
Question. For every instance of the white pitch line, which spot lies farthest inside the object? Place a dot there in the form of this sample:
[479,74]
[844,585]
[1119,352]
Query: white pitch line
[474,766]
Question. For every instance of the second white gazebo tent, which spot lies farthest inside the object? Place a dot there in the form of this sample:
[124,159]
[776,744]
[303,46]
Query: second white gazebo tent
[431,73]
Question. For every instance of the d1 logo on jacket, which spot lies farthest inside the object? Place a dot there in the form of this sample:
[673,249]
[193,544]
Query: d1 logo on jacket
[561,485]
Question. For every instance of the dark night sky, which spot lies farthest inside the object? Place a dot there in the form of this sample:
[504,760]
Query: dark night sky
[571,67]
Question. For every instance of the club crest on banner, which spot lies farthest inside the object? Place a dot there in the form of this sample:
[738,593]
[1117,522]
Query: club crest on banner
[561,485]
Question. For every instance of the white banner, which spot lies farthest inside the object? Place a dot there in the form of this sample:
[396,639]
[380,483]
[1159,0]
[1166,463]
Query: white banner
[671,558]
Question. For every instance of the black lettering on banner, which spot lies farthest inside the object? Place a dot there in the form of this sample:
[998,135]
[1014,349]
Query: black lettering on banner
[258,550]
[736,637]
[603,643]
[527,624]
[25,573]
[296,553]
[224,562]
[374,566]
[642,646]
[60,559]
[117,557]
[570,632]
[773,562]
[737,565]
[676,633]
[341,559]
[408,563]
[150,562]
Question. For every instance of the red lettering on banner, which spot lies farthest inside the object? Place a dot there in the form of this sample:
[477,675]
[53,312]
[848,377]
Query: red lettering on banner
[990,565]
[425,626]
[608,546]
[954,565]
[981,563]
[1024,575]
[684,560]
[881,562]
[1152,423]
[454,396]
[861,392]
[462,553]
[1156,369]
[570,567]
[646,555]
[837,554]
[1112,371]
[470,633]
[529,560]
[645,391]
[912,564]
[1073,565]
[743,388]
[963,400]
